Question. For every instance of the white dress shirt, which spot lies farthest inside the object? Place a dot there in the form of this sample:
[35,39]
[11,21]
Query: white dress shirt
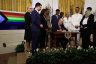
[68,23]
[76,18]
[85,21]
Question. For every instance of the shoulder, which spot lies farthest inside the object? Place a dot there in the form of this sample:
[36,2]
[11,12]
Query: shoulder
[92,15]
[34,11]
[26,13]
[64,18]
[73,15]
[53,15]
[80,15]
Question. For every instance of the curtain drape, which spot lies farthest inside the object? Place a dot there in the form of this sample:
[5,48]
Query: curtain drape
[69,5]
[15,5]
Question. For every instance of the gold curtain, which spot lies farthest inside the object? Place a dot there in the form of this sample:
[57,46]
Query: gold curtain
[67,6]
[15,5]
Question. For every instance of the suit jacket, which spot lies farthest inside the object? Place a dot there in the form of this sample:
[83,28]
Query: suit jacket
[36,20]
[58,28]
[54,22]
[44,22]
[89,25]
[28,19]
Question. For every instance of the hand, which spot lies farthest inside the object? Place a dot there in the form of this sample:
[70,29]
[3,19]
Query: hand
[59,30]
[41,25]
[63,30]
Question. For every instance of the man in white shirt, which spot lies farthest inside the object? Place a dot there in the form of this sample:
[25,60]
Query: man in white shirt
[76,18]
[68,22]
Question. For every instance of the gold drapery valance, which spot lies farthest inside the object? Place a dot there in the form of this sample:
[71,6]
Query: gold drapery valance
[69,5]
[15,5]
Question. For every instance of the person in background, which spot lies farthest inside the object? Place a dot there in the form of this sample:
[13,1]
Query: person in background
[61,14]
[54,20]
[28,33]
[86,27]
[36,26]
[44,29]
[68,22]
[76,18]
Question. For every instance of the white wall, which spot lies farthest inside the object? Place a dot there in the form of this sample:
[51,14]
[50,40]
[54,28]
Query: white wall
[90,3]
[53,4]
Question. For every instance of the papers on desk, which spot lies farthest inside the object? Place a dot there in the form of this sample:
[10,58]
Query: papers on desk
[74,31]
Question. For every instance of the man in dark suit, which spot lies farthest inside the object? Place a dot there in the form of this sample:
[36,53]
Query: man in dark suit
[54,20]
[86,27]
[60,28]
[36,26]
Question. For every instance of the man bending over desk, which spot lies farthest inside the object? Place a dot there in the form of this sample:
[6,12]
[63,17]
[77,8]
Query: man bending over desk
[61,40]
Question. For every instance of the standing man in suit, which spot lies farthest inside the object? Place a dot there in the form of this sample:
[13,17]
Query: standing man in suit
[28,33]
[36,26]
[55,19]
[86,27]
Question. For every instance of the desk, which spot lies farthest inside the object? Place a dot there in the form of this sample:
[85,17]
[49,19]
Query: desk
[56,35]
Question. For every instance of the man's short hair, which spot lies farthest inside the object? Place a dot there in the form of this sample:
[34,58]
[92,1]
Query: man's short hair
[89,8]
[38,4]
[57,10]
[77,7]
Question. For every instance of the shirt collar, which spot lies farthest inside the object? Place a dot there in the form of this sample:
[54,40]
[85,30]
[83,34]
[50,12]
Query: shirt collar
[36,10]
